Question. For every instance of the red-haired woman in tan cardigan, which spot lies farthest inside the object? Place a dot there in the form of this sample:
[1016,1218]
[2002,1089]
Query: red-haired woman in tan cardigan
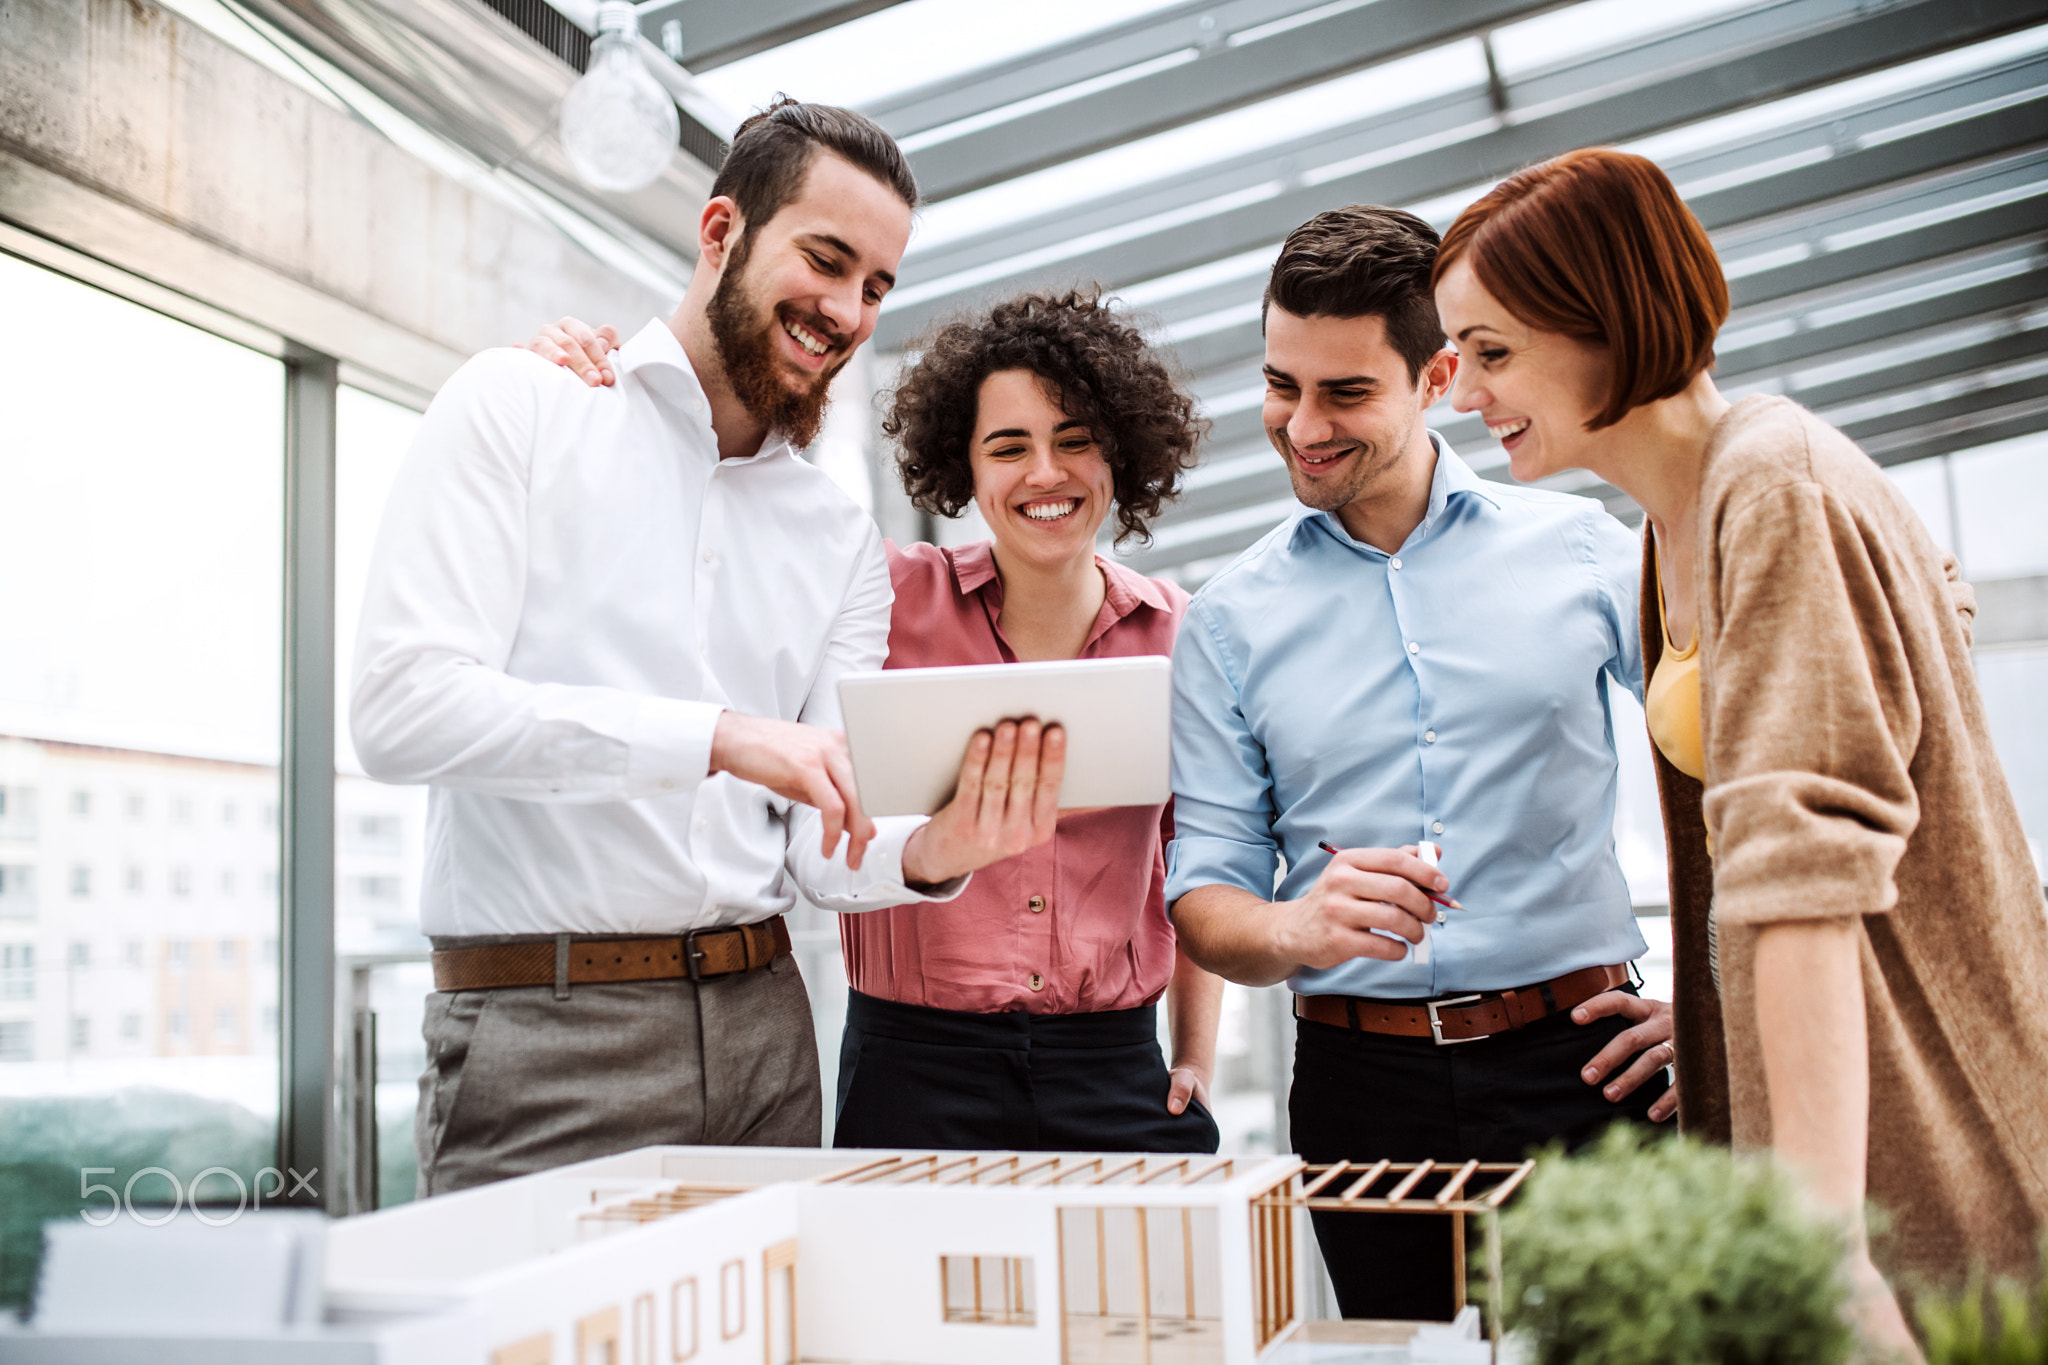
[1862,948]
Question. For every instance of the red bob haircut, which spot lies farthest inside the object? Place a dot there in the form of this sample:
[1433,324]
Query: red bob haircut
[1597,245]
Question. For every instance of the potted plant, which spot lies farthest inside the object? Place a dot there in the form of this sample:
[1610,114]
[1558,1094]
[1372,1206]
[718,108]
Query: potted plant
[2004,1323]
[1671,1252]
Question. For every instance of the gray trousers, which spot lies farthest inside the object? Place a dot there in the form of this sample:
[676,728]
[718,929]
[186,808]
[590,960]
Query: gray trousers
[518,1081]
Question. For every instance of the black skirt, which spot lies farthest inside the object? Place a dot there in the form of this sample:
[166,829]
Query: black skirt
[917,1077]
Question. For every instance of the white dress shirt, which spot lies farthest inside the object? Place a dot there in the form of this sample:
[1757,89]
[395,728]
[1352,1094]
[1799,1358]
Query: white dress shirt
[568,587]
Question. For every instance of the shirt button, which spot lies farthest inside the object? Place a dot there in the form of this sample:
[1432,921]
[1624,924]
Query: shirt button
[1414,648]
[1394,563]
[710,558]
[1037,982]
[1437,828]
[1429,736]
[668,784]
[1036,903]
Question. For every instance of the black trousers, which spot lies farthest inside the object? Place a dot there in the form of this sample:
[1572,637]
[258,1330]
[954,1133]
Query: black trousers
[1363,1096]
[912,1076]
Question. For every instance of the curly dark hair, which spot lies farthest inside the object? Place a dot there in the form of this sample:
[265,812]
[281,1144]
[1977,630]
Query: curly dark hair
[1101,368]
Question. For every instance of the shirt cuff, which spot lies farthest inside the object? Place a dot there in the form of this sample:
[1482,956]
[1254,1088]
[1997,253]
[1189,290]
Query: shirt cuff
[884,861]
[670,746]
[1194,861]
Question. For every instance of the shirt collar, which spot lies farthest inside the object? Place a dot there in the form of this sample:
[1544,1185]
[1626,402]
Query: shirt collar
[658,360]
[974,568]
[1452,478]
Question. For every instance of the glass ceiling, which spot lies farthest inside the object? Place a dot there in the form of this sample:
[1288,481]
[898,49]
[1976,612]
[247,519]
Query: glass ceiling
[1873,178]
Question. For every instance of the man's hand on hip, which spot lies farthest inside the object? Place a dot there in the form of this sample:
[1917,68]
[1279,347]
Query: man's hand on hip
[1007,801]
[1647,1041]
[1362,890]
[802,763]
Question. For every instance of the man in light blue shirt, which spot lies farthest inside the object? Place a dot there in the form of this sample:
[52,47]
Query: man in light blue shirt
[1418,656]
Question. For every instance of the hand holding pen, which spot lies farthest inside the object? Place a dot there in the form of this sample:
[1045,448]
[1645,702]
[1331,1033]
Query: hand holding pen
[1429,854]
[1365,903]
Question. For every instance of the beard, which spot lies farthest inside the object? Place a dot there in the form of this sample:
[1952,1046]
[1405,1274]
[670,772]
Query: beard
[743,328]
[1371,462]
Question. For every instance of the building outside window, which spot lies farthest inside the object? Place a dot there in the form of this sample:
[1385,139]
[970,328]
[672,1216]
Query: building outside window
[81,1032]
[81,881]
[81,804]
[17,1040]
[17,971]
[81,953]
[17,891]
[135,878]
[17,813]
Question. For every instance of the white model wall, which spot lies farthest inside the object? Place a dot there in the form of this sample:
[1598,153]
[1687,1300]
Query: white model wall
[644,1275]
[869,1279]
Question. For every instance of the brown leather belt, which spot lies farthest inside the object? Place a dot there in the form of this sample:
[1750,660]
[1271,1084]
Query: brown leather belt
[1462,1018]
[574,960]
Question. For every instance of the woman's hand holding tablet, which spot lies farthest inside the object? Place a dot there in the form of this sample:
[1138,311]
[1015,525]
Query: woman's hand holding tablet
[1006,801]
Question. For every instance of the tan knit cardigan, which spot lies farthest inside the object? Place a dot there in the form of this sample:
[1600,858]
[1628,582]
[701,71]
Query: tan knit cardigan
[1850,772]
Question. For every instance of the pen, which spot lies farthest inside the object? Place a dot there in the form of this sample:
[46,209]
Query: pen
[1326,846]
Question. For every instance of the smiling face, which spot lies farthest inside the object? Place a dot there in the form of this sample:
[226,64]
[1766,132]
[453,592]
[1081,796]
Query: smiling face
[1535,390]
[798,295]
[1040,477]
[1340,406]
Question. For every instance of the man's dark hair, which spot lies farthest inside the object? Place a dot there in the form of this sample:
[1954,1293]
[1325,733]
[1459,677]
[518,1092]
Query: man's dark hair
[773,150]
[1363,261]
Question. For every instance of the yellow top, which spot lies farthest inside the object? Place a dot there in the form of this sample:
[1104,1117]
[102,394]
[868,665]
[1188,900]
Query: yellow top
[1672,700]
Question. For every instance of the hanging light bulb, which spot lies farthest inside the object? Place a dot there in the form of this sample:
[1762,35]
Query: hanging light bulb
[619,126]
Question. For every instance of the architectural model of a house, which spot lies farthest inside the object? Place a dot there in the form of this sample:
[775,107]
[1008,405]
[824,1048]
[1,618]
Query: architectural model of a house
[754,1256]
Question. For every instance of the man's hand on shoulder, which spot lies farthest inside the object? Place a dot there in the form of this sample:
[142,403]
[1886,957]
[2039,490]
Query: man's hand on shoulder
[1361,890]
[576,347]
[802,763]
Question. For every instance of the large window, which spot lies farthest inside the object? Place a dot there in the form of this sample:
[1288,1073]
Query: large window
[141,542]
[380,834]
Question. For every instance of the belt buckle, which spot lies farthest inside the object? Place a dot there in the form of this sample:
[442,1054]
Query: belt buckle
[1436,1023]
[690,954]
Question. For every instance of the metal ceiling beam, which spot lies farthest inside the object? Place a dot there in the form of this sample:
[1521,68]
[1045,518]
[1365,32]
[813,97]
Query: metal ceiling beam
[716,32]
[471,78]
[2019,292]
[1228,347]
[1978,429]
[1802,144]
[1160,34]
[1221,78]
[1384,134]
[1958,413]
[1661,100]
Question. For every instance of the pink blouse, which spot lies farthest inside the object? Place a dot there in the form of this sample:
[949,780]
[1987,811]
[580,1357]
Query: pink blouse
[1074,926]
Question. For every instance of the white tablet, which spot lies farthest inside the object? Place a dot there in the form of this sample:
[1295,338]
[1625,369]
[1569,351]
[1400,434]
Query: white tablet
[909,727]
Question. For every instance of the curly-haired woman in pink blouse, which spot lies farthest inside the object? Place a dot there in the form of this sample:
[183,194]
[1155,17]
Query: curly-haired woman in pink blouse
[1022,1014]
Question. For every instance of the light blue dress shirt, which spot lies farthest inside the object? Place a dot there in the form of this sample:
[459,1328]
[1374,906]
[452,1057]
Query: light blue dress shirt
[1455,691]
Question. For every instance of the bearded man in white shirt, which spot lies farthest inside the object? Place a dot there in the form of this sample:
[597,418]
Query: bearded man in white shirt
[606,626]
